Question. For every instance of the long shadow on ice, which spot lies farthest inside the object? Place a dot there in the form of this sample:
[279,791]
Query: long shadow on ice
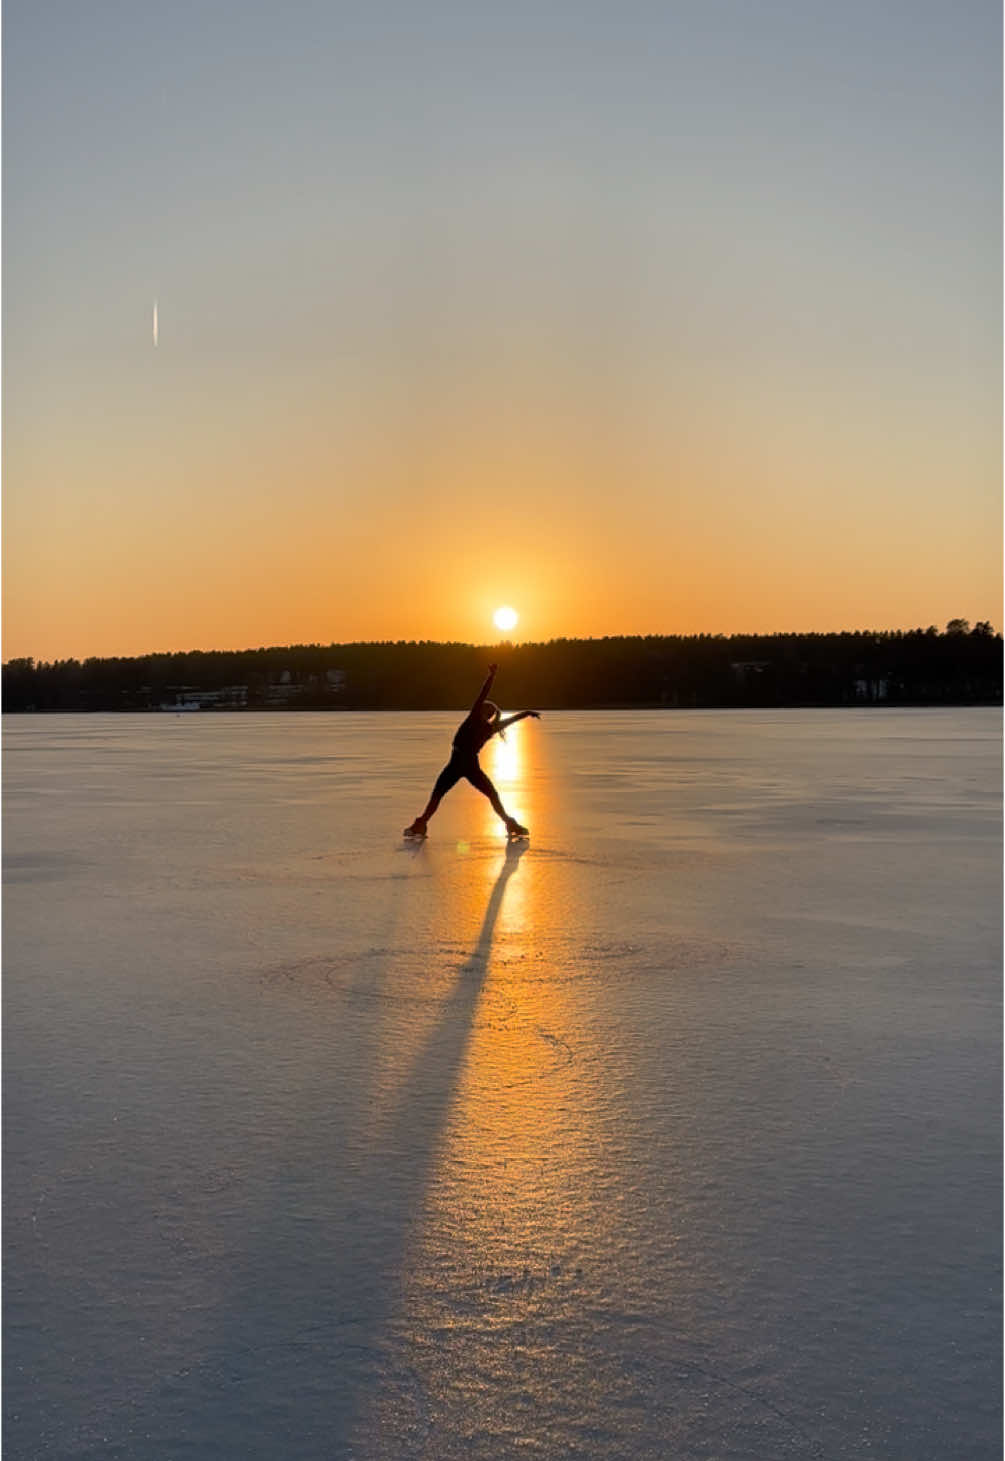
[420,1112]
[307,1355]
[411,1139]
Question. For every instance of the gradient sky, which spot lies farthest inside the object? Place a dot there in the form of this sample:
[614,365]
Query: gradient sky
[643,317]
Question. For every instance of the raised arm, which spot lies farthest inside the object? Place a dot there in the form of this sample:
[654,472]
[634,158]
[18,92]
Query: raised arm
[520,715]
[484,691]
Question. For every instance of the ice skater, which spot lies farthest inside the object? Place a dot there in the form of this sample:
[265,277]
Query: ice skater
[484,721]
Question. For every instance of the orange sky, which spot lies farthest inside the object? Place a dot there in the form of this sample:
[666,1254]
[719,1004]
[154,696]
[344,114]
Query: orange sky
[635,356]
[233,540]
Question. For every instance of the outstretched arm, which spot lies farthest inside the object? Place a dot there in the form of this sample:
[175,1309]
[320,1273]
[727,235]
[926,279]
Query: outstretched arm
[483,692]
[520,715]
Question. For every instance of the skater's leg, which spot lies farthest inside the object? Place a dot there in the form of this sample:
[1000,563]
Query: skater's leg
[447,778]
[478,779]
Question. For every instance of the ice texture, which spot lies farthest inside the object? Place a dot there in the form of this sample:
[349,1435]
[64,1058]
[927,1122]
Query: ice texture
[672,1133]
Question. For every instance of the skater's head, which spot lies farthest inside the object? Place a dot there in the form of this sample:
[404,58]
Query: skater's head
[490,713]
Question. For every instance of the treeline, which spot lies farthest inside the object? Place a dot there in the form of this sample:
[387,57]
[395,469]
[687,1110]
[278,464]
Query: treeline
[959,666]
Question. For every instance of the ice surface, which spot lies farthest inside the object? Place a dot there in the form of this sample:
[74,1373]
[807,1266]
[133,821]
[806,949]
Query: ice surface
[675,1133]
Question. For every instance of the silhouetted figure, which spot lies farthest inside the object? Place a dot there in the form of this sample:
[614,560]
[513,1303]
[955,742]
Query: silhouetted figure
[483,722]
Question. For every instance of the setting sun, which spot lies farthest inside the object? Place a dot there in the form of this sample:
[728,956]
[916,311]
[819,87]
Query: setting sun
[505,618]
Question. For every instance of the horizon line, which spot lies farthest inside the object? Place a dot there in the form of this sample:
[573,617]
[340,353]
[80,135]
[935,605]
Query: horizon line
[497,645]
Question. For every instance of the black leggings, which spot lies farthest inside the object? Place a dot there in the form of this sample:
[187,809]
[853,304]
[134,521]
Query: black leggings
[464,768]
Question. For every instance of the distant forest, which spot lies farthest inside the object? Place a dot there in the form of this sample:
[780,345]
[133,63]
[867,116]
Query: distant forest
[959,666]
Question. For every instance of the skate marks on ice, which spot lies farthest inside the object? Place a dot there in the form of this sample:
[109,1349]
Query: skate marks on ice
[529,1367]
[308,1335]
[41,867]
[359,981]
[416,984]
[511,1346]
[330,869]
[304,1272]
[436,1360]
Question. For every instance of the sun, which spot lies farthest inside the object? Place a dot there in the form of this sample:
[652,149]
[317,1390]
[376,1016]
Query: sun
[505,618]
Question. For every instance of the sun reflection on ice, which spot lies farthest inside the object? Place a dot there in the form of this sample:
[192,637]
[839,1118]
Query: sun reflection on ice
[513,1209]
[517,1199]
[506,764]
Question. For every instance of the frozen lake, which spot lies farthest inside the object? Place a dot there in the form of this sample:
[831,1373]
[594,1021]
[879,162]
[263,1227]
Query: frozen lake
[672,1134]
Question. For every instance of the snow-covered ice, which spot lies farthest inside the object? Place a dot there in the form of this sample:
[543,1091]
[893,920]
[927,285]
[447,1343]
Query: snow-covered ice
[674,1133]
